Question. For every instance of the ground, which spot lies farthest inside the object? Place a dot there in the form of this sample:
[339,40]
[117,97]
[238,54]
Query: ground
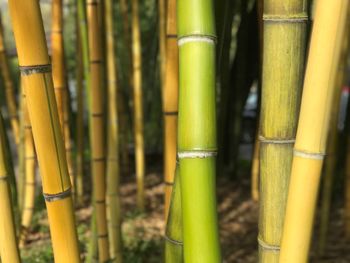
[142,232]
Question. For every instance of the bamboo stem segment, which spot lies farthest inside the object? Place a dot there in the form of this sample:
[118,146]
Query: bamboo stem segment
[8,242]
[170,102]
[36,75]
[313,125]
[97,131]
[282,75]
[138,108]
[197,130]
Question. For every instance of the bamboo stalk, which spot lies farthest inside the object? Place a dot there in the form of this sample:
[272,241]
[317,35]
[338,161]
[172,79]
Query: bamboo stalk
[21,152]
[282,77]
[113,166]
[332,149]
[197,130]
[138,110]
[30,183]
[38,87]
[347,179]
[8,242]
[255,170]
[170,102]
[162,22]
[310,144]
[97,131]
[9,87]
[173,231]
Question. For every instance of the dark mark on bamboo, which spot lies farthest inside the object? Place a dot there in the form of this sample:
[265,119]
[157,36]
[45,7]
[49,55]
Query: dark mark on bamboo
[57,197]
[36,69]
[175,242]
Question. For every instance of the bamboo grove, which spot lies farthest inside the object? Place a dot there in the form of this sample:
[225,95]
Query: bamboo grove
[174,131]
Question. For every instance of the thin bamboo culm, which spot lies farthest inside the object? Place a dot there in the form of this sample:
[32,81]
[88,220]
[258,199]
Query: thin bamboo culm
[284,40]
[162,18]
[38,86]
[173,231]
[8,242]
[255,170]
[310,144]
[113,165]
[138,110]
[170,102]
[9,87]
[330,164]
[30,183]
[97,131]
[197,147]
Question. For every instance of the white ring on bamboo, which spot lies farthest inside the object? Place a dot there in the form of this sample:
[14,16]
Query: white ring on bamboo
[266,246]
[308,155]
[274,141]
[302,18]
[173,241]
[37,69]
[195,38]
[196,154]
[57,197]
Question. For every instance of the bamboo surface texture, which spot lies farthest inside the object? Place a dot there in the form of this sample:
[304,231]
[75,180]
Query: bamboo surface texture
[255,170]
[197,146]
[38,86]
[170,102]
[138,110]
[8,242]
[97,131]
[30,183]
[173,231]
[162,16]
[113,165]
[282,75]
[9,87]
[309,148]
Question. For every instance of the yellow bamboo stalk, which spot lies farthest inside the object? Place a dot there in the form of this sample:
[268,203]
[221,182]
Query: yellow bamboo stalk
[38,86]
[309,148]
[113,168]
[255,170]
[97,131]
[9,87]
[138,111]
[8,241]
[29,188]
[170,102]
[162,22]
[57,52]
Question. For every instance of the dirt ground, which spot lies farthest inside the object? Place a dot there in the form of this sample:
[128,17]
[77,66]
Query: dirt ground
[238,217]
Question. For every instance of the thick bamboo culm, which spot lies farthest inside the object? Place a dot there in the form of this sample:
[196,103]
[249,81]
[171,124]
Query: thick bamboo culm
[113,165]
[310,144]
[170,102]
[8,242]
[162,22]
[284,33]
[173,231]
[57,54]
[197,147]
[255,170]
[138,110]
[30,183]
[38,86]
[9,87]
[330,164]
[97,130]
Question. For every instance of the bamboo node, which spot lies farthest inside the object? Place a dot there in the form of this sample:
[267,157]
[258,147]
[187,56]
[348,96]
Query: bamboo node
[196,154]
[173,241]
[265,246]
[36,69]
[276,141]
[3,177]
[309,155]
[170,113]
[57,197]
[196,38]
[168,183]
[296,18]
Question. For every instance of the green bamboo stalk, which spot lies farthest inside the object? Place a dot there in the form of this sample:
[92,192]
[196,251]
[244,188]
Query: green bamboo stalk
[8,243]
[173,231]
[283,59]
[113,166]
[197,130]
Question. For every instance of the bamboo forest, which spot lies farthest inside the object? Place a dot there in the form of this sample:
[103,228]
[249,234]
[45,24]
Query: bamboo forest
[196,131]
